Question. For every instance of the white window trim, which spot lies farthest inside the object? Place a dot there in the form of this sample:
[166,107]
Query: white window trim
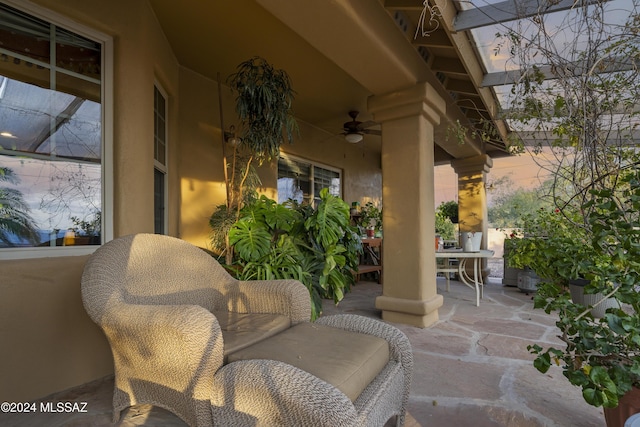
[107,135]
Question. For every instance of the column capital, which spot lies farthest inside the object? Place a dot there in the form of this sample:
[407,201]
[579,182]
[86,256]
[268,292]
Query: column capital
[421,99]
[472,165]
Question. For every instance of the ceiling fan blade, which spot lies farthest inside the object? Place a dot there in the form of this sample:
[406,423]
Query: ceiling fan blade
[368,124]
[372,131]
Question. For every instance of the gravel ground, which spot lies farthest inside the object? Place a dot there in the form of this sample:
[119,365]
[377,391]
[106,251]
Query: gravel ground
[497,267]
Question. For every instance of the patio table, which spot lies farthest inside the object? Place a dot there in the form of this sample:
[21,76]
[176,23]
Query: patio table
[473,282]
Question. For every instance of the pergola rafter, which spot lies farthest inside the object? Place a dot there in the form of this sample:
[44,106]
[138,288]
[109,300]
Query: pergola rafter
[548,72]
[511,10]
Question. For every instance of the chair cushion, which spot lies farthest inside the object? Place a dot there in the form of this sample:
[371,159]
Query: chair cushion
[347,360]
[240,330]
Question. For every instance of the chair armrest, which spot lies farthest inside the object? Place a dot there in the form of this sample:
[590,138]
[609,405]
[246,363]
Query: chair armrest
[269,392]
[179,347]
[287,297]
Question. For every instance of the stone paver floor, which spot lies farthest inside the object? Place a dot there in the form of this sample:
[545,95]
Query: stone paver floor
[472,368]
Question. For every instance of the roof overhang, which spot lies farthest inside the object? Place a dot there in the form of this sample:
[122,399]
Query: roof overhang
[339,53]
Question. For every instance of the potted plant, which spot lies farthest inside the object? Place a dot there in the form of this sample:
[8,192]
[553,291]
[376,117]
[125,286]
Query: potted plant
[445,229]
[87,232]
[602,355]
[371,219]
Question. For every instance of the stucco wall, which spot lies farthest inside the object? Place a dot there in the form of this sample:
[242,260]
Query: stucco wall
[200,154]
[48,343]
[202,186]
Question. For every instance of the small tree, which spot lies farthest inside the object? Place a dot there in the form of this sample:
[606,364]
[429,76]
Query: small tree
[263,104]
[577,98]
[509,207]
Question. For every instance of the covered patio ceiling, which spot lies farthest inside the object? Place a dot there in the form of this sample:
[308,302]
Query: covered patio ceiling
[338,54]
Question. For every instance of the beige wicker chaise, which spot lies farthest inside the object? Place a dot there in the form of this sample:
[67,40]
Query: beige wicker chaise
[188,337]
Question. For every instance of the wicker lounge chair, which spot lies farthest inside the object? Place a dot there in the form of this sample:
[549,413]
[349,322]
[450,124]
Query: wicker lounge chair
[213,350]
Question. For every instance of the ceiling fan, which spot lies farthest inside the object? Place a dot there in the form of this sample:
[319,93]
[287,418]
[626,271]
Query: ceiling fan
[354,130]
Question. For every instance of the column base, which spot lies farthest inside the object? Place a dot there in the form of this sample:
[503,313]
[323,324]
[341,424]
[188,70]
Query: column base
[419,313]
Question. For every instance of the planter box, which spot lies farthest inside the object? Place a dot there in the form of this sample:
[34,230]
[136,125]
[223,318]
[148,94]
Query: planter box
[509,274]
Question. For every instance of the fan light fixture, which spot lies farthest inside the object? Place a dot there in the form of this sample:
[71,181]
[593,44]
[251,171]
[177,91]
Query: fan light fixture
[354,130]
[231,137]
[353,137]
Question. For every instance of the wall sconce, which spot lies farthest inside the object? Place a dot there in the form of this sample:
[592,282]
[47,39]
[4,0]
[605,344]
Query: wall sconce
[231,136]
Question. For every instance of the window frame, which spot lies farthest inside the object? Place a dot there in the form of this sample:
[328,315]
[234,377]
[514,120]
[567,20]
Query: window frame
[163,168]
[313,164]
[107,166]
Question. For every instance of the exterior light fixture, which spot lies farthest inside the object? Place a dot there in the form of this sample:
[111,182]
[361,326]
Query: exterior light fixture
[353,137]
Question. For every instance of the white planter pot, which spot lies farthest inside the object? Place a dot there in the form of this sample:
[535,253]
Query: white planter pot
[471,241]
[576,288]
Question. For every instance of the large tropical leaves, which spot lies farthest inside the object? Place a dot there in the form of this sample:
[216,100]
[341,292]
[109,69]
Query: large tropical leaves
[290,241]
[331,219]
[250,239]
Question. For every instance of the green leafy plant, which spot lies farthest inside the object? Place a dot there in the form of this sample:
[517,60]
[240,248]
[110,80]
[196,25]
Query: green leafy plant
[318,247]
[264,98]
[444,227]
[552,244]
[602,356]
[242,186]
[263,104]
[370,217]
[578,103]
[449,210]
[90,226]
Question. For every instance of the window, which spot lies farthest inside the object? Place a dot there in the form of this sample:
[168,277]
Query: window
[52,139]
[160,156]
[158,202]
[301,180]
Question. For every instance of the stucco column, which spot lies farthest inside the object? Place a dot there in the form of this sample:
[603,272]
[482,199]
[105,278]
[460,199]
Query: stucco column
[409,294]
[472,195]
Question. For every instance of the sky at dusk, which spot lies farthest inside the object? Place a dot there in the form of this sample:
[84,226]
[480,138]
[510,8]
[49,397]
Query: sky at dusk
[522,170]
